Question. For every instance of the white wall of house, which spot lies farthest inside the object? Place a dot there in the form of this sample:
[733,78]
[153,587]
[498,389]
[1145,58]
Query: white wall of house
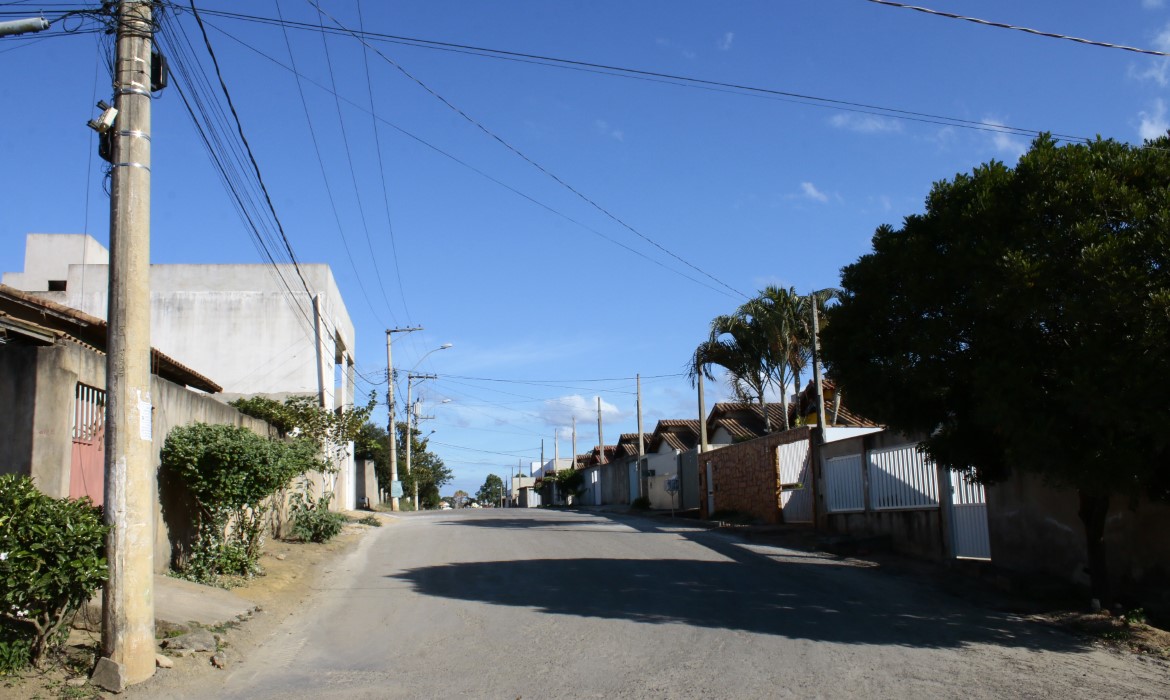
[720,437]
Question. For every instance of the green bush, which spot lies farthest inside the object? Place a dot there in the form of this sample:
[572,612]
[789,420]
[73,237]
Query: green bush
[52,559]
[230,473]
[312,521]
[641,503]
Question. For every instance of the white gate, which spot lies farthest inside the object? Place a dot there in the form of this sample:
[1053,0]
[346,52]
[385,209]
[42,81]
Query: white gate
[969,538]
[796,492]
[844,489]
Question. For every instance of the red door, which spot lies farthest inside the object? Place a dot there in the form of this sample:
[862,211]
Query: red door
[88,465]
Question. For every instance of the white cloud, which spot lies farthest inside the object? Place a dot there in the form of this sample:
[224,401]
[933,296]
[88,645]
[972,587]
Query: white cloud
[559,412]
[865,123]
[1003,141]
[603,127]
[725,41]
[810,191]
[1155,69]
[1153,123]
[1153,4]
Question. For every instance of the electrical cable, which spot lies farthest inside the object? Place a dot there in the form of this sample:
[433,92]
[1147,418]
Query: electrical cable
[556,178]
[1036,32]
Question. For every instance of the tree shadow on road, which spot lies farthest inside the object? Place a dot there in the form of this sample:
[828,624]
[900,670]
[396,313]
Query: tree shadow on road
[794,595]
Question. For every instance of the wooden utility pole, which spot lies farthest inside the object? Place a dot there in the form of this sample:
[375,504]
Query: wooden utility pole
[390,411]
[127,653]
[816,363]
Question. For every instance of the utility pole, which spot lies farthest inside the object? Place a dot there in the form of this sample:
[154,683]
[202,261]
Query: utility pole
[816,363]
[574,442]
[127,654]
[702,418]
[600,439]
[410,377]
[641,439]
[390,411]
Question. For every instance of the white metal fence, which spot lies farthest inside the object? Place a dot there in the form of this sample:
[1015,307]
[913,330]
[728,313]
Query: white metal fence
[900,478]
[796,488]
[844,489]
[969,518]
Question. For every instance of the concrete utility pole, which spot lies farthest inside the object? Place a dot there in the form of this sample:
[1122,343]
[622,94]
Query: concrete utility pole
[410,377]
[127,654]
[816,363]
[574,442]
[390,410]
[600,439]
[641,440]
[702,418]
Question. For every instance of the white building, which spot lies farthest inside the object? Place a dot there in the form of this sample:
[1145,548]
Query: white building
[256,329]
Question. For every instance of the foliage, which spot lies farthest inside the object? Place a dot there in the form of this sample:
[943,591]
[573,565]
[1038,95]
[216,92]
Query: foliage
[230,473]
[570,482]
[641,503]
[312,520]
[426,468]
[492,490]
[1021,322]
[52,560]
[373,443]
[371,520]
[303,416]
[765,344]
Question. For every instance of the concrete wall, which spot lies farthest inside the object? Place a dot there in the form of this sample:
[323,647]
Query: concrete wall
[747,477]
[48,256]
[1035,530]
[366,484]
[37,421]
[665,467]
[615,482]
[36,429]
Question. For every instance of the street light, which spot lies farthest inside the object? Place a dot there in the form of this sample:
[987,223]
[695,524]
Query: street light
[410,377]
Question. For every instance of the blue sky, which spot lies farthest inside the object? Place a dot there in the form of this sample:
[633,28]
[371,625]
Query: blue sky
[752,189]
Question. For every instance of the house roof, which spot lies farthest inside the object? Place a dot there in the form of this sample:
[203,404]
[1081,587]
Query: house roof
[679,434]
[744,421]
[48,322]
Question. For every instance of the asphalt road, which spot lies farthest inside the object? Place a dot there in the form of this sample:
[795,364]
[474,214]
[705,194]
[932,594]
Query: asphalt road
[546,604]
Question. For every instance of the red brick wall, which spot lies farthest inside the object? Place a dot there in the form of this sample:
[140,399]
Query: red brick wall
[747,476]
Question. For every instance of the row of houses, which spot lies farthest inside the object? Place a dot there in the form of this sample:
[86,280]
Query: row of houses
[237,323]
[857,480]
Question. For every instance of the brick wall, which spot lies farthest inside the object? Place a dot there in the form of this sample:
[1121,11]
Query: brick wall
[746,476]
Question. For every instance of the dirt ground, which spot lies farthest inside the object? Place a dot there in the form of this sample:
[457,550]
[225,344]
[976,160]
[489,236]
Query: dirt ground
[291,570]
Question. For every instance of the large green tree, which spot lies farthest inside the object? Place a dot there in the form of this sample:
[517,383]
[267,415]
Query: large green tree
[492,490]
[1022,323]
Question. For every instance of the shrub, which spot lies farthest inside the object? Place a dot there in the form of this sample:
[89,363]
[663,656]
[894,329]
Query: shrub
[312,521]
[230,473]
[52,560]
[641,503]
[371,520]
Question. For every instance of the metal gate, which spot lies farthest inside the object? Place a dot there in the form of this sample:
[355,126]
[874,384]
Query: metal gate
[88,462]
[969,538]
[796,488]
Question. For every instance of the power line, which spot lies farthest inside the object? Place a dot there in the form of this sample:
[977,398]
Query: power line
[465,164]
[1000,25]
[499,139]
[671,79]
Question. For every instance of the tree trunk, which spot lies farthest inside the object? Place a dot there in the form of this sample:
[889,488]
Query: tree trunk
[1094,507]
[764,409]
